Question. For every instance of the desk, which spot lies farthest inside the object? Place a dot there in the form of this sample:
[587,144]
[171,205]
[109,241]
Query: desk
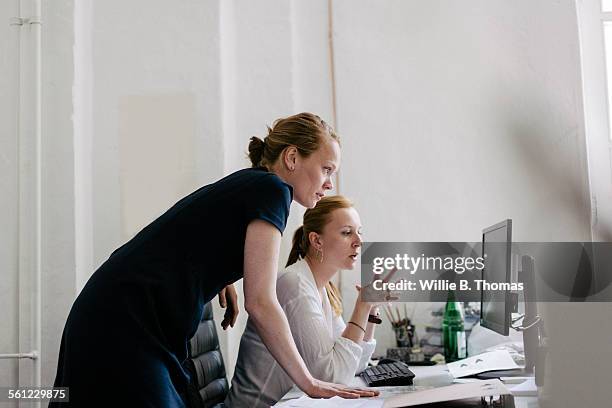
[425,377]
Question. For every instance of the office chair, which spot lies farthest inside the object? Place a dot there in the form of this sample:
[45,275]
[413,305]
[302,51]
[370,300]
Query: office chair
[209,385]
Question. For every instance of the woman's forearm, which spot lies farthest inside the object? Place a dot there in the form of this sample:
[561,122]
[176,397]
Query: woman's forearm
[369,334]
[356,327]
[273,328]
[260,259]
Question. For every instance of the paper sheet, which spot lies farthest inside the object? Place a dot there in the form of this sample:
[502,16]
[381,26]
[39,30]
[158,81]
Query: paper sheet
[493,360]
[527,388]
[307,402]
[449,393]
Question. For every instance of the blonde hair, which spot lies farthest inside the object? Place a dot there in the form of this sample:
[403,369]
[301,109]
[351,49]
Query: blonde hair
[314,220]
[304,131]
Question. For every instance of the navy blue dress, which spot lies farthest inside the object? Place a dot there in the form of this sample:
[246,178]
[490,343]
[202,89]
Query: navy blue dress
[125,340]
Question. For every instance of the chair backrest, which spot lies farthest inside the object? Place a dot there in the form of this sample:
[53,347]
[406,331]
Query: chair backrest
[209,385]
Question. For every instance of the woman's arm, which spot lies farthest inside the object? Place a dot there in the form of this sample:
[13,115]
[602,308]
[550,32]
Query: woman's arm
[370,328]
[327,354]
[260,263]
[356,327]
[360,329]
[363,335]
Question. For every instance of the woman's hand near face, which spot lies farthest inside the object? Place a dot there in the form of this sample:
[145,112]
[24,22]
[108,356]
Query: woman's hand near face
[374,298]
[368,292]
[368,299]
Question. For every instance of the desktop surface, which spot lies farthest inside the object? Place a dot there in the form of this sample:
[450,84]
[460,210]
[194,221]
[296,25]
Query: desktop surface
[427,377]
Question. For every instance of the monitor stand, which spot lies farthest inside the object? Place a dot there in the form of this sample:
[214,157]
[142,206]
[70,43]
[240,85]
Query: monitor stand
[531,334]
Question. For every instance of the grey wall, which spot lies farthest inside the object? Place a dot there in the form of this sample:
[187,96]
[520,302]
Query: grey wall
[458,115]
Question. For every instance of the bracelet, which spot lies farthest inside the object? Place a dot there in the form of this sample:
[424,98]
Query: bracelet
[362,329]
[374,319]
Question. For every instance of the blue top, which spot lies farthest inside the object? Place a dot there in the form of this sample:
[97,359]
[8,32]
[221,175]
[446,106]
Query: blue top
[133,319]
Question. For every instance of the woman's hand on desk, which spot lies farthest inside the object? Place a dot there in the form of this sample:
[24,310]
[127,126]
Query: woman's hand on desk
[322,389]
[228,299]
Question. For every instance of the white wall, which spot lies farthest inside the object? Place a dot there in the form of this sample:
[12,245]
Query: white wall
[146,57]
[18,160]
[58,181]
[9,186]
[156,118]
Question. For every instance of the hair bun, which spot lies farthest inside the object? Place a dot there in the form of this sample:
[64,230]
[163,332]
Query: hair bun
[256,150]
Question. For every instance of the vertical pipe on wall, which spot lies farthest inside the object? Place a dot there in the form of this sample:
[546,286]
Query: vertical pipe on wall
[13,84]
[30,190]
[24,205]
[37,341]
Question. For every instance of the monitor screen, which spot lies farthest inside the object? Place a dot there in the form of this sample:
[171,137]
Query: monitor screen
[495,308]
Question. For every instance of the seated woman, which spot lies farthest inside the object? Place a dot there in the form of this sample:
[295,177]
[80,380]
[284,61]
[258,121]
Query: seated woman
[328,242]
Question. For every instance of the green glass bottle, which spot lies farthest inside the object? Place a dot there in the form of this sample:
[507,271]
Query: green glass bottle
[453,330]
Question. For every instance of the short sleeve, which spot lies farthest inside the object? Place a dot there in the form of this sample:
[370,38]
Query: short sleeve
[269,199]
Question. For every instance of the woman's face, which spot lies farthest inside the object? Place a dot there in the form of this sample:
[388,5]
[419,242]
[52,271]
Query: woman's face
[340,239]
[313,174]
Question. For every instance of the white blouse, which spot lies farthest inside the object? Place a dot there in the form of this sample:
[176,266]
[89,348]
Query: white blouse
[258,379]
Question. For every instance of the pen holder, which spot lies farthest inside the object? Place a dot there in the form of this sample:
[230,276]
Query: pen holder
[406,354]
[402,336]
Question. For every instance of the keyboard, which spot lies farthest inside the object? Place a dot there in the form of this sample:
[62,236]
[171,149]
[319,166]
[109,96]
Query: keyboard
[382,375]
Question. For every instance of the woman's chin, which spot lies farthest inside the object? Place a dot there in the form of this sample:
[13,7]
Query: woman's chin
[307,203]
[350,265]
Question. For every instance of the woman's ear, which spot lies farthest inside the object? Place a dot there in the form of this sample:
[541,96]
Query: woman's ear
[290,157]
[315,240]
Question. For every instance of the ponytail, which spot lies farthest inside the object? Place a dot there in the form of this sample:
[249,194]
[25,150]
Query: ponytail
[296,248]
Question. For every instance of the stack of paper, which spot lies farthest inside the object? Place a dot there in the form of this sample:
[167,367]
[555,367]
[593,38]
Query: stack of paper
[335,402]
[493,360]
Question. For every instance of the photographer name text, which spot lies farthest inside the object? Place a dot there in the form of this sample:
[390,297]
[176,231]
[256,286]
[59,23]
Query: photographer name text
[444,285]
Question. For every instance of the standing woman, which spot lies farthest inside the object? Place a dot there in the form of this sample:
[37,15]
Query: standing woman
[125,339]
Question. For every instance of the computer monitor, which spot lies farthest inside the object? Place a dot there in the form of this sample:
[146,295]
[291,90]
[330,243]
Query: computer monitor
[496,306]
